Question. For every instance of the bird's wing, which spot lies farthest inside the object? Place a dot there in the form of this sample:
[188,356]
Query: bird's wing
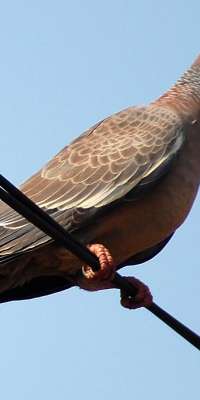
[101,166]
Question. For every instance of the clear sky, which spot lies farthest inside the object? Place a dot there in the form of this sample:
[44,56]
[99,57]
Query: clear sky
[65,65]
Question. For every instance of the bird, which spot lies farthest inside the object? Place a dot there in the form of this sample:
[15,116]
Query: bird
[122,188]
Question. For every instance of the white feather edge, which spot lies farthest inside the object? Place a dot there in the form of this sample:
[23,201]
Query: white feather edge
[103,198]
[126,186]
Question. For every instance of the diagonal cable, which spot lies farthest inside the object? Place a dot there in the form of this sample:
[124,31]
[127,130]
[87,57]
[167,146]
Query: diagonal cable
[37,216]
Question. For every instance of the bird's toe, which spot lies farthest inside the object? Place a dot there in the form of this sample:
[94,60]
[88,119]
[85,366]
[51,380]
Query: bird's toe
[107,268]
[143,298]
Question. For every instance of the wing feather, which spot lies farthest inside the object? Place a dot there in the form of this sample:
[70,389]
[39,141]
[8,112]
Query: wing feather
[98,168]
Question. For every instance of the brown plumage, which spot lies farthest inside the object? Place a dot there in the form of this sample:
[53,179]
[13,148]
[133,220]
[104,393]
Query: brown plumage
[128,183]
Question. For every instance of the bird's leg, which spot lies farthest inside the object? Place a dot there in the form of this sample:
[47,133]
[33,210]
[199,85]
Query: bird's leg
[102,279]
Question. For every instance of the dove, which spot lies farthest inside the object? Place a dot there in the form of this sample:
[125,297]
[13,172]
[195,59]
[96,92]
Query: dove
[122,188]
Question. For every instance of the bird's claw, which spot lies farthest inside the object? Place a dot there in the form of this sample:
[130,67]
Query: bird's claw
[143,298]
[102,279]
[107,268]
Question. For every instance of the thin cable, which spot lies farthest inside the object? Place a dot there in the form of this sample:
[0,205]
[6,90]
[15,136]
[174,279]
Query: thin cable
[29,210]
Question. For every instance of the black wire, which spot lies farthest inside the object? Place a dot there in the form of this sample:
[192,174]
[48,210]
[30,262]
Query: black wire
[28,209]
[38,217]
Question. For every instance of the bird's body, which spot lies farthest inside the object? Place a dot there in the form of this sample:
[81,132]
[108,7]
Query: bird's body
[129,182]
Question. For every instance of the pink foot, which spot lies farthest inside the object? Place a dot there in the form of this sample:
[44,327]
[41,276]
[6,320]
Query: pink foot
[102,279]
[107,268]
[142,299]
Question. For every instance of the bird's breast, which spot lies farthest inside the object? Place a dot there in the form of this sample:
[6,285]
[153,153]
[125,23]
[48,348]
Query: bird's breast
[138,225]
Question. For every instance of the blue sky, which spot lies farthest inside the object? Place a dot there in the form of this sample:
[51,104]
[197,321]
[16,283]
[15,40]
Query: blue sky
[64,66]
